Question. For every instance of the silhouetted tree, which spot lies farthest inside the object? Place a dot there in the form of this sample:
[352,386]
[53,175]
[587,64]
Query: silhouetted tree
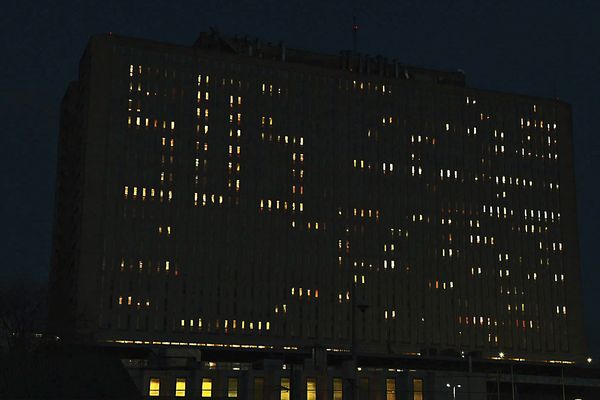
[22,314]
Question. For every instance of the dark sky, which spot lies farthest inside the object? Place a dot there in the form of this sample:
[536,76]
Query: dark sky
[545,48]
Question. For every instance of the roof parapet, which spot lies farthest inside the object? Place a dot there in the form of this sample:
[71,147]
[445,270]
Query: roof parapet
[362,64]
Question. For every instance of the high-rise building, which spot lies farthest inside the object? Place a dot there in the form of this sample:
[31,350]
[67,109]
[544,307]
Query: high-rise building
[240,194]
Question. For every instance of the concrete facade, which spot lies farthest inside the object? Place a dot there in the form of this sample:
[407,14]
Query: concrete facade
[289,376]
[239,194]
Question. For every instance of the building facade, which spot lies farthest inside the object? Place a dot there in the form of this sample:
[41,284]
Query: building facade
[238,194]
[297,376]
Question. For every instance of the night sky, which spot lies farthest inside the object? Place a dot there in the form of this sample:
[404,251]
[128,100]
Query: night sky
[539,48]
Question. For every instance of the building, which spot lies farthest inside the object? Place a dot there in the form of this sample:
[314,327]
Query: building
[240,195]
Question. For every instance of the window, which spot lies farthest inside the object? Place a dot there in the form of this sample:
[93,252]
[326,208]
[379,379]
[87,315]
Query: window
[285,389]
[180,387]
[337,389]
[390,389]
[154,389]
[363,388]
[232,387]
[206,387]
[259,388]
[311,389]
[417,389]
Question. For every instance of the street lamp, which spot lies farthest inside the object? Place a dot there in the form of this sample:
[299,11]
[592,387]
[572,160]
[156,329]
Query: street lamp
[453,389]
[362,307]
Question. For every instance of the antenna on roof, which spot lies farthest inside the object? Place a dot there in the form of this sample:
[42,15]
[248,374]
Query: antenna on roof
[354,33]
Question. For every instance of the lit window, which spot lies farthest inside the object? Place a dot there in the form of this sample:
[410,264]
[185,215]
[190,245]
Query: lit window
[206,387]
[311,389]
[232,387]
[180,387]
[154,390]
[285,389]
[337,389]
[417,389]
[390,389]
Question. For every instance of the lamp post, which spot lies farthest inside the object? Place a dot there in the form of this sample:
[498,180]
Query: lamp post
[453,387]
[361,306]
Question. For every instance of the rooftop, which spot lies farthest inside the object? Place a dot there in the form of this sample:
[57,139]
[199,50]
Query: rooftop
[362,64]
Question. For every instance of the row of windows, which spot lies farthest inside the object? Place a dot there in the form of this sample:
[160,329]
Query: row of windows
[139,121]
[151,193]
[207,389]
[228,324]
[140,264]
[545,214]
[535,123]
[151,123]
[388,168]
[279,205]
[138,69]
[143,193]
[362,85]
[130,301]
[181,386]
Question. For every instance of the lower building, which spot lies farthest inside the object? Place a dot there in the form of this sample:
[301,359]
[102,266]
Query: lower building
[321,374]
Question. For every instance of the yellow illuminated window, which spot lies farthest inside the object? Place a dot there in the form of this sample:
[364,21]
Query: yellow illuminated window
[311,389]
[337,389]
[206,387]
[417,389]
[232,387]
[285,389]
[390,389]
[154,389]
[180,387]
